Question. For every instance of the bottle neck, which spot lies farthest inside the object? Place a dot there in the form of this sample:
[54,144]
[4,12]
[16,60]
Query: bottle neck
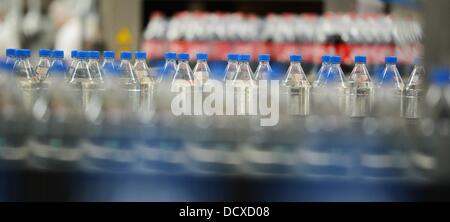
[170,61]
[263,62]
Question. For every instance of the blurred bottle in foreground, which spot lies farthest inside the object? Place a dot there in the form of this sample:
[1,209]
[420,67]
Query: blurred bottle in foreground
[429,155]
[58,123]
[14,119]
[110,116]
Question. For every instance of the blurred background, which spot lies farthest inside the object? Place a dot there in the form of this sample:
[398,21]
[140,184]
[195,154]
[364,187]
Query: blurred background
[404,160]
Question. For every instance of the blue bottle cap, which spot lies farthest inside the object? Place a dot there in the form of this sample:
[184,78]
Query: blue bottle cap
[126,55]
[58,54]
[360,59]
[325,58]
[94,54]
[74,54]
[335,59]
[23,53]
[109,54]
[171,55]
[11,52]
[183,56]
[264,57]
[140,55]
[45,52]
[295,58]
[202,56]
[83,54]
[232,56]
[244,57]
[440,76]
[391,60]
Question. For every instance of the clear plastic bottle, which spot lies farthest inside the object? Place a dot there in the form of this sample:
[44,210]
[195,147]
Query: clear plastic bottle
[128,79]
[321,74]
[414,91]
[109,61]
[170,67]
[232,66]
[263,71]
[360,89]
[23,71]
[14,118]
[147,81]
[244,87]
[391,77]
[58,64]
[57,131]
[43,64]
[81,80]
[94,66]
[332,91]
[296,88]
[73,63]
[201,70]
[389,95]
[244,73]
[141,68]
[110,117]
[183,75]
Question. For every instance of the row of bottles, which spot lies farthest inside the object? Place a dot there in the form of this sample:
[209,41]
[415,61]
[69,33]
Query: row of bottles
[121,125]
